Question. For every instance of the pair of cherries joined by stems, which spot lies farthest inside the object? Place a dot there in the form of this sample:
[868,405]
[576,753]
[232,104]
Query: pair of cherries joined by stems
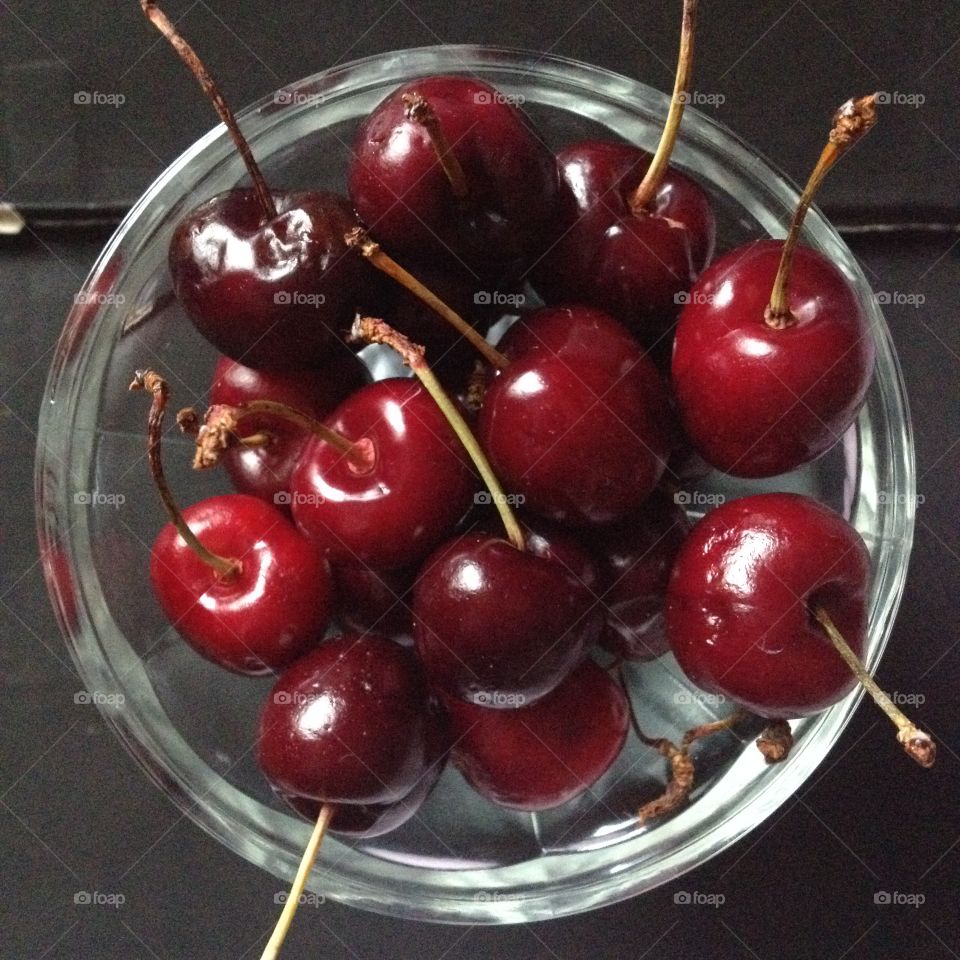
[573,416]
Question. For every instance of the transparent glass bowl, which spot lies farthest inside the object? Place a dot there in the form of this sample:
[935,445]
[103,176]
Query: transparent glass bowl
[191,726]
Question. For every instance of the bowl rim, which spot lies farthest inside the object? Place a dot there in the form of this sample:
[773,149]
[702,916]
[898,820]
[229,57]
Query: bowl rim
[602,886]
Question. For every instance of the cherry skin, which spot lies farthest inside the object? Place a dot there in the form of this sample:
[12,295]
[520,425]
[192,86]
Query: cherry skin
[393,511]
[579,423]
[265,470]
[635,558]
[270,293]
[634,265]
[739,601]
[758,401]
[497,625]
[259,619]
[372,601]
[402,193]
[367,820]
[542,755]
[348,723]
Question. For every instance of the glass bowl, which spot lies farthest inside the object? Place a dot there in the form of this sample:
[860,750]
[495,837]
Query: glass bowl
[191,725]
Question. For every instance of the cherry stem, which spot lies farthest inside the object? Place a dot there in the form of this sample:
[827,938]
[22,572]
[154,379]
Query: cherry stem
[914,741]
[218,431]
[854,120]
[359,239]
[272,950]
[420,111]
[372,330]
[162,22]
[643,196]
[157,386]
[775,741]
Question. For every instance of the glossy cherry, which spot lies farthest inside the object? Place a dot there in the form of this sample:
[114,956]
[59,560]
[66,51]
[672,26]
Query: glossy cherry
[488,205]
[264,470]
[348,723]
[740,600]
[758,400]
[542,755]
[497,625]
[579,423]
[635,558]
[266,614]
[390,509]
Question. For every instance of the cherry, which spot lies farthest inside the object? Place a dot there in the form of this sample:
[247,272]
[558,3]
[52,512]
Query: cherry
[232,574]
[348,723]
[764,593]
[264,275]
[500,626]
[579,423]
[376,601]
[447,166]
[390,506]
[263,469]
[767,381]
[633,233]
[545,754]
[635,558]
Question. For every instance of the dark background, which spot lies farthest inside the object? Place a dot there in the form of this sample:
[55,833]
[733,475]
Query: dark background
[75,813]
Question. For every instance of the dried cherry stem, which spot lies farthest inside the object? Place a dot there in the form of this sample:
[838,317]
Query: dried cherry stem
[914,741]
[372,330]
[775,741]
[359,239]
[643,196]
[420,111]
[272,950]
[853,121]
[218,431]
[157,387]
[209,86]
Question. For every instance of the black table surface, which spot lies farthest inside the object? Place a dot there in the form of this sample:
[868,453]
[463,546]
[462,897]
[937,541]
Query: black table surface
[75,812]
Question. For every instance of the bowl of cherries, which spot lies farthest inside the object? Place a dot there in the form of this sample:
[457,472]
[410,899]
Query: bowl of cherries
[535,502]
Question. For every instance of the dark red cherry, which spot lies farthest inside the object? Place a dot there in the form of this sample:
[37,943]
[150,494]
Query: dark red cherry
[740,599]
[402,193]
[758,400]
[391,511]
[367,820]
[634,264]
[635,558]
[275,293]
[264,470]
[372,601]
[259,619]
[579,423]
[348,723]
[542,755]
[497,625]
